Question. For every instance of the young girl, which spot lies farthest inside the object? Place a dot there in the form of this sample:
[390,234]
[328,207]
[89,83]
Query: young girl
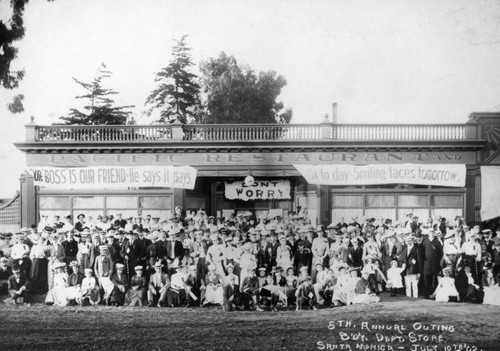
[446,291]
[394,278]
[90,289]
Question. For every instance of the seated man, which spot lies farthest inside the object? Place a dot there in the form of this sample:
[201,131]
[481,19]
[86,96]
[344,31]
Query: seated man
[250,290]
[158,286]
[179,289]
[18,286]
[231,296]
[305,295]
[120,282]
[5,273]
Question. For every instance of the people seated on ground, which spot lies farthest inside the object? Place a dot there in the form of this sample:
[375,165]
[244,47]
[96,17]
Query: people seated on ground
[376,276]
[18,286]
[159,283]
[364,291]
[250,291]
[305,295]
[491,289]
[194,285]
[136,295]
[344,290]
[5,273]
[446,290]
[179,289]
[57,295]
[120,283]
[213,290]
[319,286]
[395,278]
[90,293]
[467,289]
[231,294]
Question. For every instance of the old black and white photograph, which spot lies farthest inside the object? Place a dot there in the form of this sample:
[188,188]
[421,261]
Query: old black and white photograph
[250,175]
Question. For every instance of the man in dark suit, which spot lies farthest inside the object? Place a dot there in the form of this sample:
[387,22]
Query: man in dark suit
[18,286]
[5,273]
[432,252]
[119,221]
[412,257]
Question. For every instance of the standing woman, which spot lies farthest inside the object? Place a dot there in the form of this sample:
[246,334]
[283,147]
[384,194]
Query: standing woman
[39,263]
[83,254]
[56,256]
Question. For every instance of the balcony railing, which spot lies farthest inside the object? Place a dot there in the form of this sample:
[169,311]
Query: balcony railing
[252,132]
[248,132]
[102,133]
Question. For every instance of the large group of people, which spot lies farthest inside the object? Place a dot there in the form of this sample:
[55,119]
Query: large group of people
[243,262]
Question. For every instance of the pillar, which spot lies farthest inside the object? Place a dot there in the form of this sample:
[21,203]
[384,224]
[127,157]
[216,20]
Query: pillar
[29,213]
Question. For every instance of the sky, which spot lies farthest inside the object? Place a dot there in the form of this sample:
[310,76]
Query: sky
[405,61]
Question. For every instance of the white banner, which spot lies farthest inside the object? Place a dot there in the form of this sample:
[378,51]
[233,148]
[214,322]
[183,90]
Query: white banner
[490,192]
[115,177]
[260,190]
[404,173]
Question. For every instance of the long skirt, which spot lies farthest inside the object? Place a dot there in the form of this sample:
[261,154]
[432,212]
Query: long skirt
[38,275]
[213,294]
[365,298]
[117,296]
[201,269]
[492,295]
[57,296]
[135,297]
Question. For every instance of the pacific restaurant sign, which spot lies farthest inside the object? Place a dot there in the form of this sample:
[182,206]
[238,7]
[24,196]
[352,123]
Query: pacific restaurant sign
[259,190]
[114,177]
[406,173]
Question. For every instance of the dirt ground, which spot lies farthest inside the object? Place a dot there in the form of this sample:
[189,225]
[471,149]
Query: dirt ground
[414,325]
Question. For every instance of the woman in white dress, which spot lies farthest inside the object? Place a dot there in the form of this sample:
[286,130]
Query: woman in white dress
[57,295]
[214,287]
[446,289]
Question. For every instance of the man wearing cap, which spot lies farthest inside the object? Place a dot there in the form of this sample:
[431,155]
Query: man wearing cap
[5,273]
[18,286]
[120,282]
[250,290]
[159,283]
[103,268]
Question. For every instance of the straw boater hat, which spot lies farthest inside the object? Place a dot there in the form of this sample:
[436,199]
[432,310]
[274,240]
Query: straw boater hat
[58,265]
[138,268]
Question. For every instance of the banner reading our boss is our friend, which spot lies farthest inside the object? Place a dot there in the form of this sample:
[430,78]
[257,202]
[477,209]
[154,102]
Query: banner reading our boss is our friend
[115,177]
[405,173]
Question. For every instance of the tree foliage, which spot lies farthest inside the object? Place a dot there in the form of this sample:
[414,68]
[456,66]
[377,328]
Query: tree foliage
[237,94]
[177,93]
[10,32]
[16,106]
[100,107]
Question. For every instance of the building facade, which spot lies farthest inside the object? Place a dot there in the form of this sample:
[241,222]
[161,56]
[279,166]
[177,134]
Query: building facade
[224,155]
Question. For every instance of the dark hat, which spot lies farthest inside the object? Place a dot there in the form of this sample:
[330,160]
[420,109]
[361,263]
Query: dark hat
[48,229]
[80,215]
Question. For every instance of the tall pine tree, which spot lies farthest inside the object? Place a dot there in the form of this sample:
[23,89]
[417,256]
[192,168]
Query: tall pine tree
[100,108]
[177,94]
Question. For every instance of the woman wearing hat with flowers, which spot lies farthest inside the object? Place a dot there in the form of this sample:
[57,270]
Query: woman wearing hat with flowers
[57,294]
